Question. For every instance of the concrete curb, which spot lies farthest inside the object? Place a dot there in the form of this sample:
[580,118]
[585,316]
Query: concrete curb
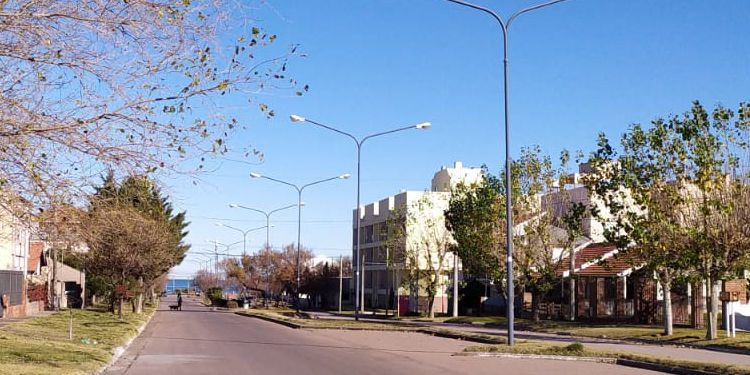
[272,320]
[118,351]
[615,361]
[662,368]
[299,326]
[539,356]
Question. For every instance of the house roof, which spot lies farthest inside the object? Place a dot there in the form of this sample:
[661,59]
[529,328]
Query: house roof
[598,259]
[36,250]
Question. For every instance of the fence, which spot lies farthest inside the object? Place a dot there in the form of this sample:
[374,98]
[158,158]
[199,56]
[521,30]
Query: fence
[11,284]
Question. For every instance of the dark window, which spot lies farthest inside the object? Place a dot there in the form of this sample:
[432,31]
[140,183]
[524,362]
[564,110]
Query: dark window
[610,288]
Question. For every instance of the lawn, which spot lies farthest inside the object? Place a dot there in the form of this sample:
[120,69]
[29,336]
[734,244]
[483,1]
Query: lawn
[41,346]
[617,331]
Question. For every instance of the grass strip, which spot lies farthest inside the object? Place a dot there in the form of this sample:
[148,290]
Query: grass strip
[641,333]
[41,345]
[530,347]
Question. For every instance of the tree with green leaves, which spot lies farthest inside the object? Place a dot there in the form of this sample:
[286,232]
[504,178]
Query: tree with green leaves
[475,218]
[138,201]
[671,195]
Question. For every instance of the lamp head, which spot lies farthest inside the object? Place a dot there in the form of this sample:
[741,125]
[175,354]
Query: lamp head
[233,205]
[424,125]
[345,176]
[302,203]
[255,175]
[219,224]
[296,118]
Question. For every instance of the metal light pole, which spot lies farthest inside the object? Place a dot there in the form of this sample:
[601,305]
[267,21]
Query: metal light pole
[505,26]
[299,213]
[244,234]
[267,214]
[358,142]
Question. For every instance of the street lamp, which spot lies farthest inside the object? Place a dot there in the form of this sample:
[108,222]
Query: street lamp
[359,142]
[505,26]
[244,234]
[267,214]
[299,211]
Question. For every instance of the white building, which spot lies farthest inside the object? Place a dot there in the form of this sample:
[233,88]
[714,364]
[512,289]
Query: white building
[15,235]
[382,275]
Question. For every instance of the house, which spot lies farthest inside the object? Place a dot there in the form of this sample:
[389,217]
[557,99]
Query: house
[610,286]
[14,245]
[385,272]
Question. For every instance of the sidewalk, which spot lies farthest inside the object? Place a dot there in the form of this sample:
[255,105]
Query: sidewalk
[669,351]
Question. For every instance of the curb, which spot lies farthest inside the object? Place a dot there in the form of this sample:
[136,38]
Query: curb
[540,356]
[118,351]
[662,368]
[614,361]
[272,320]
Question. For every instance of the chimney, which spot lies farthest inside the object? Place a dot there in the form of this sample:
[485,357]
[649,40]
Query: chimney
[458,165]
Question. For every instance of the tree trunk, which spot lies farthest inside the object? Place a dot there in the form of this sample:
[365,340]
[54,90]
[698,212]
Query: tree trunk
[572,298]
[712,305]
[431,305]
[119,309]
[535,296]
[667,308]
[138,300]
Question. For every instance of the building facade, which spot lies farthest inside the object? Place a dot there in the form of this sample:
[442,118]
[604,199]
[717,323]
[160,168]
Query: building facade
[385,279]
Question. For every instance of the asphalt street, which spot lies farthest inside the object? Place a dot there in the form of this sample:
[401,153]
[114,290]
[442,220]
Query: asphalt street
[197,340]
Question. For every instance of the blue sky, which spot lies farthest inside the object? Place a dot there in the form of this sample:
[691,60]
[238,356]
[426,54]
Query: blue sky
[576,69]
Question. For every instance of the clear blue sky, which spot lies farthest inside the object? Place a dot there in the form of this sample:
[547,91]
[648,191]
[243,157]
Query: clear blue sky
[576,69]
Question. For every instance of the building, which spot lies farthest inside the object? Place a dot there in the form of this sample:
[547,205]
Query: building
[385,272]
[15,235]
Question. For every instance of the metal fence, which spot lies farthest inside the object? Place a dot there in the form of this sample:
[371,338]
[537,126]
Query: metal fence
[11,284]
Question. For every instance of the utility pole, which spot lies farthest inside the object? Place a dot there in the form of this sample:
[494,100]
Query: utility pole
[341,279]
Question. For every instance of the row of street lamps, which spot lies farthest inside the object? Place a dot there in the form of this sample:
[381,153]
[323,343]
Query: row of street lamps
[504,25]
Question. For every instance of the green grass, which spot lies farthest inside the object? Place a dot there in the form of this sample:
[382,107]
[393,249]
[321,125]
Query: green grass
[41,345]
[680,336]
[529,347]
[288,315]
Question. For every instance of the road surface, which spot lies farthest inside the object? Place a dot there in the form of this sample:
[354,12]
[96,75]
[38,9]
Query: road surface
[199,341]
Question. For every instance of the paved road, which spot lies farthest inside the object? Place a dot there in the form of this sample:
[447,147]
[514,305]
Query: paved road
[199,341]
[676,352]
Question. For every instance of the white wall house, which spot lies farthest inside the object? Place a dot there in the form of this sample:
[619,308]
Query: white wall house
[383,278]
[15,235]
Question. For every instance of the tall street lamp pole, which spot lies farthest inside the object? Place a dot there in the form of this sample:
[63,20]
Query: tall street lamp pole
[267,214]
[244,234]
[299,213]
[505,26]
[358,142]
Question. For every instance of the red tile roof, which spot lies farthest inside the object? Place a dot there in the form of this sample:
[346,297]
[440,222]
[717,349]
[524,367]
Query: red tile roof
[587,254]
[599,259]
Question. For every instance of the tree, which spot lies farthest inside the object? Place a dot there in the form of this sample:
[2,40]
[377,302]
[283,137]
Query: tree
[670,193]
[535,237]
[419,241]
[138,202]
[242,271]
[475,218]
[124,246]
[206,280]
[90,86]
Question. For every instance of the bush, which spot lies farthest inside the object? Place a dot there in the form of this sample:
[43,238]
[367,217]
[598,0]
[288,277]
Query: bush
[215,295]
[232,304]
[574,347]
